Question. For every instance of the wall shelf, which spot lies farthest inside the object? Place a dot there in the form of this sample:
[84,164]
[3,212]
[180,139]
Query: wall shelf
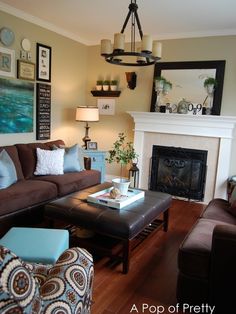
[102,93]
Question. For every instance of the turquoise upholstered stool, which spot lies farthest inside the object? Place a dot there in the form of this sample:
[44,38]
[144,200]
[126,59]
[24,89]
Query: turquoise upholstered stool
[38,245]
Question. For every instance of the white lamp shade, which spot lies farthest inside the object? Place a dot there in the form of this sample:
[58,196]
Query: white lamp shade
[87,114]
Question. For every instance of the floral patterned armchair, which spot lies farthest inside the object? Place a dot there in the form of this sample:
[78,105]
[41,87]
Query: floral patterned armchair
[65,287]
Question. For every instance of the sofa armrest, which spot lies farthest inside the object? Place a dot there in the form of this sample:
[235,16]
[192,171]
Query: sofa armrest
[70,279]
[223,268]
[87,163]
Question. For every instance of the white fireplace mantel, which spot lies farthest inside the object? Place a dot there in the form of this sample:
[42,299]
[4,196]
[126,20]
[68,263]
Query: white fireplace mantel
[220,127]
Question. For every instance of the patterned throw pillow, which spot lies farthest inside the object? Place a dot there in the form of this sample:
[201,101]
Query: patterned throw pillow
[49,162]
[19,291]
[7,170]
[68,287]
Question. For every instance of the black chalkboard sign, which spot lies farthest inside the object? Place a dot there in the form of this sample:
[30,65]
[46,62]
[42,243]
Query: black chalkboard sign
[43,112]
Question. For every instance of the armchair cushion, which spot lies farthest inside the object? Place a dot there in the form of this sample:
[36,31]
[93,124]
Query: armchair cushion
[69,283]
[19,289]
[42,289]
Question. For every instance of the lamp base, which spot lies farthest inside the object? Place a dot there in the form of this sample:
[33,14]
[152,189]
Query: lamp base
[86,138]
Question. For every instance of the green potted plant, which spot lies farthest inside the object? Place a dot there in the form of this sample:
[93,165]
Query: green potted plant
[210,84]
[167,87]
[106,85]
[159,83]
[99,85]
[122,153]
[210,81]
[113,85]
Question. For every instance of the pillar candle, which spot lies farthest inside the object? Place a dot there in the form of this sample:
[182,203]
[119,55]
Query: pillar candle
[156,49]
[105,47]
[147,43]
[119,41]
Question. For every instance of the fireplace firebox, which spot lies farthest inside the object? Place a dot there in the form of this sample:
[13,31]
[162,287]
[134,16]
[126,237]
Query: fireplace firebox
[178,171]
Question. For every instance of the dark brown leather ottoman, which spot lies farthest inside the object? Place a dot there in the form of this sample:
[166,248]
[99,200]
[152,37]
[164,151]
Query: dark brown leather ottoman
[124,224]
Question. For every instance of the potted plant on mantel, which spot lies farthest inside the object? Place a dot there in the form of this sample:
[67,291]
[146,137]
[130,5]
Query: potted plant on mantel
[123,153]
[210,85]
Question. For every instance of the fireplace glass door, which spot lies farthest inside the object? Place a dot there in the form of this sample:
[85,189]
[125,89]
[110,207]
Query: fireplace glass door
[178,171]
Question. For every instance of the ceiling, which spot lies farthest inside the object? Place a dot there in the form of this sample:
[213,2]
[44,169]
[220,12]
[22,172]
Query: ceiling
[88,21]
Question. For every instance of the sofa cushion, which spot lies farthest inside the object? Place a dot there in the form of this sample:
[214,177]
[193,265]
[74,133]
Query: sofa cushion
[218,209]
[49,162]
[232,208]
[73,158]
[26,193]
[13,153]
[73,181]
[28,158]
[195,250]
[7,170]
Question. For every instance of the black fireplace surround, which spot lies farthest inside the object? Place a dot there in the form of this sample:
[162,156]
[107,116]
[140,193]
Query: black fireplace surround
[178,171]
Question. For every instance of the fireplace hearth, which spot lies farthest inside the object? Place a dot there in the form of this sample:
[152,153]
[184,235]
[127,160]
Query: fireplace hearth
[178,171]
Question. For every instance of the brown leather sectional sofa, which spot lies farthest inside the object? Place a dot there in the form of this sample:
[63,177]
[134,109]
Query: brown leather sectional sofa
[24,199]
[207,260]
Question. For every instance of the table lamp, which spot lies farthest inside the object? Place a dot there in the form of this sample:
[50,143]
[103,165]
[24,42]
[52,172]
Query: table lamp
[87,114]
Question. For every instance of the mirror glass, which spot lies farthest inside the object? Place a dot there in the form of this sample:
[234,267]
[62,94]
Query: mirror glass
[187,79]
[187,84]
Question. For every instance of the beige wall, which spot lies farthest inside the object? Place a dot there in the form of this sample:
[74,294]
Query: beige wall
[69,76]
[211,48]
[75,69]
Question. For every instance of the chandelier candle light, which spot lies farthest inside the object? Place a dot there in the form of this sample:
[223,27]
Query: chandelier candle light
[87,114]
[149,52]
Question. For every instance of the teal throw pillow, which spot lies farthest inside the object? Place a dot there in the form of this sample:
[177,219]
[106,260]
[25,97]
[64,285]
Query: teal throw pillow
[7,170]
[73,158]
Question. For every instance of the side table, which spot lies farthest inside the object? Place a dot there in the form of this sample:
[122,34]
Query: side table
[98,161]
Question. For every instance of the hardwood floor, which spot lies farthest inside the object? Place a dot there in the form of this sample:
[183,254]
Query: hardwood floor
[153,270]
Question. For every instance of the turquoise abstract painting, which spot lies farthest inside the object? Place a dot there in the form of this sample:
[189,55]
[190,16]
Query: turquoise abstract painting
[16,106]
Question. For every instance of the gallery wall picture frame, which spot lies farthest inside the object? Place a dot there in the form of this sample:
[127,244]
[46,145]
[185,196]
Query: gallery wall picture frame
[25,70]
[43,69]
[43,111]
[106,106]
[7,62]
[92,145]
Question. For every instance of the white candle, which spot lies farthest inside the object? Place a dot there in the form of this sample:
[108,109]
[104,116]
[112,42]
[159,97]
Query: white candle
[105,47]
[147,43]
[156,49]
[119,41]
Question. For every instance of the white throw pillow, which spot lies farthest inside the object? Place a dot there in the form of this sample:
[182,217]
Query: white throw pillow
[49,162]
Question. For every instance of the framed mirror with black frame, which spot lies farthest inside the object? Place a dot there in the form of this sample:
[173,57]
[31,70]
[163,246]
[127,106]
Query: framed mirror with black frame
[187,81]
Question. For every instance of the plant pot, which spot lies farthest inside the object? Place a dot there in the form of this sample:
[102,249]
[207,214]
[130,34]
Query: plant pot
[98,87]
[106,87]
[121,184]
[113,87]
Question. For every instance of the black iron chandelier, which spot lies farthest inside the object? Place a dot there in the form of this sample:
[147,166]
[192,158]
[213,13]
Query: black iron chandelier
[149,52]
